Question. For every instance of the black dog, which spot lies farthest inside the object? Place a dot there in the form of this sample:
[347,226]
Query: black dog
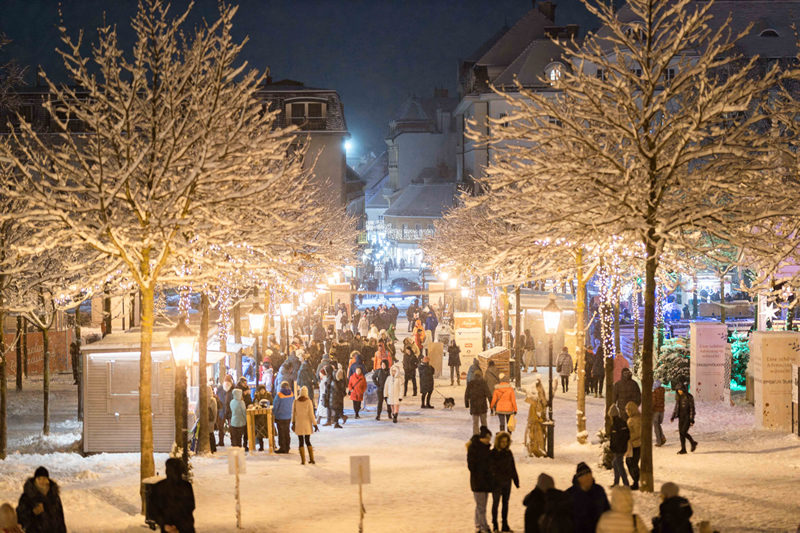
[449,403]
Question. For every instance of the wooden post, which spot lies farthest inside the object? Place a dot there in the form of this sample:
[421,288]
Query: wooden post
[580,351]
[80,362]
[25,348]
[238,499]
[237,323]
[106,312]
[360,500]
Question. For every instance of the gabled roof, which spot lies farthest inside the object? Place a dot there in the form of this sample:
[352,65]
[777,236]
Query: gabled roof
[514,41]
[423,200]
[529,66]
[376,169]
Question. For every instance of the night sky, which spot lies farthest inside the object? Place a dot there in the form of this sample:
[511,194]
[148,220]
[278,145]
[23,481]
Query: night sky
[373,52]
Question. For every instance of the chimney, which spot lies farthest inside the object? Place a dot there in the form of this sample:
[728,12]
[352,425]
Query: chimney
[573,30]
[548,9]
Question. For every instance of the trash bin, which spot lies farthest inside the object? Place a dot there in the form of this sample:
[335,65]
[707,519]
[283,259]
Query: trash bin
[147,490]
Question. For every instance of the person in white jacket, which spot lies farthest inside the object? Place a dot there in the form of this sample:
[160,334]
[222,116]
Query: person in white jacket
[621,519]
[393,388]
[363,325]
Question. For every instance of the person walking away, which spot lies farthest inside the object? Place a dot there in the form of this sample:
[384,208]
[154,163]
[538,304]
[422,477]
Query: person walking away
[658,412]
[529,358]
[411,315]
[535,502]
[564,367]
[477,399]
[634,444]
[479,462]
[471,371]
[589,500]
[599,371]
[620,435]
[491,376]
[303,424]
[504,401]
[336,394]
[8,519]
[410,363]
[39,509]
[684,412]
[454,362]
[238,418]
[674,512]
[504,472]
[392,388]
[358,363]
[171,501]
[307,378]
[379,378]
[357,386]
[426,382]
[282,412]
[626,390]
[621,519]
[557,516]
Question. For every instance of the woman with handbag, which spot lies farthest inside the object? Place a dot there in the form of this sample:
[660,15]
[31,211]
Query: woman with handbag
[504,403]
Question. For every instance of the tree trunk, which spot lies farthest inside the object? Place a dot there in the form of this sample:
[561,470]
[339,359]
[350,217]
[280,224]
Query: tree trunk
[45,380]
[268,321]
[580,343]
[19,353]
[617,346]
[636,340]
[695,294]
[518,327]
[651,265]
[25,348]
[237,323]
[80,362]
[3,387]
[722,300]
[106,312]
[204,429]
[179,403]
[147,465]
[609,368]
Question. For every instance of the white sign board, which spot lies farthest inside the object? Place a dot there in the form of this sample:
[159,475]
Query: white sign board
[709,342]
[469,336]
[772,354]
[359,470]
[233,453]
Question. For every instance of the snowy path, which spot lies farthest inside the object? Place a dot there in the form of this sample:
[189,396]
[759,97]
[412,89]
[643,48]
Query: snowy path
[740,479]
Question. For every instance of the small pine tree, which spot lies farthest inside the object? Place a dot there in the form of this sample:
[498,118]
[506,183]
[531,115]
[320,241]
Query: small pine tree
[740,352]
[672,363]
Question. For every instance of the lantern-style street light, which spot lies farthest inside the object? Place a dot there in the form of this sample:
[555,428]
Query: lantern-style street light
[182,342]
[552,317]
[257,316]
[485,303]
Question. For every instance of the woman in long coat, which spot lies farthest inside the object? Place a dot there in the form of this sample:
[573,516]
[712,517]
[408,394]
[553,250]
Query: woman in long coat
[393,388]
[322,409]
[357,387]
[304,423]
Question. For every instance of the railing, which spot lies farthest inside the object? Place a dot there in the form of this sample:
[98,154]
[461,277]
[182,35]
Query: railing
[409,234]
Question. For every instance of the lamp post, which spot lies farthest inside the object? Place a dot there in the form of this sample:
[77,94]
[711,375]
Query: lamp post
[308,299]
[552,316]
[257,316]
[464,298]
[485,302]
[182,342]
[453,287]
[286,311]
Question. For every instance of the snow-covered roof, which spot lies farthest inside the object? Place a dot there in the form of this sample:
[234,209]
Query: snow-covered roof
[513,42]
[529,66]
[423,200]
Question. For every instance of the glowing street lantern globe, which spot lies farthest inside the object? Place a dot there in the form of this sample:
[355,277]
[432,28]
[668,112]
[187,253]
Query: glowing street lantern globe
[182,342]
[308,297]
[485,302]
[286,308]
[552,316]
[465,292]
[443,276]
[453,283]
[257,316]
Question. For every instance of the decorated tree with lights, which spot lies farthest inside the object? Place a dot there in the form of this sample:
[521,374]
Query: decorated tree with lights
[644,141]
[179,146]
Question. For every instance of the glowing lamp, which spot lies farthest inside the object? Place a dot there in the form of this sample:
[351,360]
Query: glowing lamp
[485,302]
[443,276]
[552,316]
[465,292]
[286,308]
[257,316]
[182,342]
[308,297]
[453,283]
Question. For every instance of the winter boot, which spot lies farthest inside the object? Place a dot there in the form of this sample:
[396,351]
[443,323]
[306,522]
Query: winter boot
[506,529]
[394,418]
[378,417]
[328,423]
[319,419]
[663,440]
[682,452]
[694,445]
[311,455]
[429,405]
[344,418]
[302,455]
[495,529]
[458,381]
[337,426]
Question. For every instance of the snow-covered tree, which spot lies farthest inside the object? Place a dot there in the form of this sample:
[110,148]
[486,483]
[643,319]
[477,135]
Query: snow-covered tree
[650,137]
[179,147]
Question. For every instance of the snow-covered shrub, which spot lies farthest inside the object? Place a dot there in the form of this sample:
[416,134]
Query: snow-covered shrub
[672,363]
[740,352]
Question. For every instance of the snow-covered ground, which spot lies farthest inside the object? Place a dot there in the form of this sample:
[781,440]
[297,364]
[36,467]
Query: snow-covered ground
[741,479]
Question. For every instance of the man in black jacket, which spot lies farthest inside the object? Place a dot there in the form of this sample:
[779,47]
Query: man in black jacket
[477,399]
[379,379]
[626,390]
[535,502]
[172,500]
[673,513]
[589,500]
[39,509]
[684,412]
[480,474]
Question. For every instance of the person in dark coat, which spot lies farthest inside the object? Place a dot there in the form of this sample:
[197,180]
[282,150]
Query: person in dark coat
[471,372]
[307,378]
[589,500]
[588,363]
[410,363]
[491,376]
[379,377]
[336,393]
[535,502]
[39,509]
[658,413]
[426,382]
[504,472]
[479,462]
[477,399]
[557,516]
[599,371]
[282,413]
[171,501]
[454,361]
[626,390]
[225,394]
[620,435]
[431,322]
[684,412]
[673,513]
[358,363]
[285,373]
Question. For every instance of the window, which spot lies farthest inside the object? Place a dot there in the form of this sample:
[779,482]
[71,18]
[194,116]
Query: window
[405,228]
[503,123]
[555,121]
[553,72]
[601,74]
[769,33]
[636,72]
[430,227]
[307,115]
[669,75]
[634,32]
[418,227]
[123,387]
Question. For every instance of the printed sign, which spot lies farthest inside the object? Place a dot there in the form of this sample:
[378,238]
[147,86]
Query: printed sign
[59,352]
[795,384]
[707,365]
[468,333]
[236,454]
[359,470]
[772,354]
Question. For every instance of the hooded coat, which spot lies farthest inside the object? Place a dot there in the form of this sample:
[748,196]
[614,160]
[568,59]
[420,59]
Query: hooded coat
[357,386]
[336,393]
[479,462]
[172,503]
[684,406]
[620,519]
[363,325]
[286,373]
[425,377]
[477,395]
[238,410]
[283,405]
[564,364]
[598,367]
[393,388]
[410,362]
[504,469]
[504,399]
[491,376]
[380,376]
[453,355]
[358,363]
[673,516]
[471,372]
[588,506]
[303,417]
[626,390]
[307,379]
[620,434]
[322,408]
[51,520]
[634,424]
[225,396]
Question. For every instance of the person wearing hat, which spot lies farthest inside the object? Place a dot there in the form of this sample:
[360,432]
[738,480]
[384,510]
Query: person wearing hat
[282,412]
[535,502]
[479,462]
[303,424]
[171,502]
[621,518]
[39,509]
[658,412]
[674,512]
[684,412]
[392,390]
[620,435]
[589,500]
[425,382]
[626,390]
[504,401]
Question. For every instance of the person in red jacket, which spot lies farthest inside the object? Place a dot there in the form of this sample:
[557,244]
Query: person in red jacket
[357,386]
[504,401]
[658,412]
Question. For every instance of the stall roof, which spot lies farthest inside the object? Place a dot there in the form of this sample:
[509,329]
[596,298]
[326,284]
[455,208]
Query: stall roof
[129,341]
[232,347]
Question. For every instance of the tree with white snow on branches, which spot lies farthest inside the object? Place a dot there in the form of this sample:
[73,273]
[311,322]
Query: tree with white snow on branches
[651,138]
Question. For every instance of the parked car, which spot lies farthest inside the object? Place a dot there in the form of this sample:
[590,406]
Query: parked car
[401,285]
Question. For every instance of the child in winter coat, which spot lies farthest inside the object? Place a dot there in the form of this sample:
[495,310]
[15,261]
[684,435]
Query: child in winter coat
[504,401]
[357,386]
[303,424]
[621,519]
[504,471]
[238,418]
[620,435]
[393,388]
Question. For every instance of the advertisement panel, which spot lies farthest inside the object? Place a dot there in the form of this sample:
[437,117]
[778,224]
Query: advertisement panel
[468,334]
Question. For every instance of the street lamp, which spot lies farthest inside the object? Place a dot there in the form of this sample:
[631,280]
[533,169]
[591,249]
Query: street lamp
[286,311]
[552,316]
[182,342]
[485,302]
[308,298]
[257,316]
[453,286]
